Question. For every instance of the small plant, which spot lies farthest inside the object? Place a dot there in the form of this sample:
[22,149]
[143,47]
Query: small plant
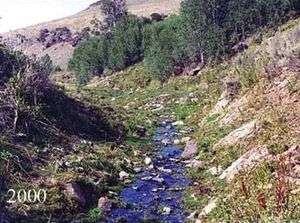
[94,215]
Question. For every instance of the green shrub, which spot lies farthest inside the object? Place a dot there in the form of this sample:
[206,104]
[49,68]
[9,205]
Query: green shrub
[204,21]
[125,46]
[89,58]
[165,46]
[245,17]
[94,215]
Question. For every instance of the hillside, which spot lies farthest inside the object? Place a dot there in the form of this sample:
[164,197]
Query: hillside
[61,52]
[82,19]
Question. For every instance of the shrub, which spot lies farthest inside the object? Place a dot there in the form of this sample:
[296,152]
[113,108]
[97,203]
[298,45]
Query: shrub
[26,82]
[165,46]
[126,41]
[9,62]
[245,17]
[89,58]
[204,21]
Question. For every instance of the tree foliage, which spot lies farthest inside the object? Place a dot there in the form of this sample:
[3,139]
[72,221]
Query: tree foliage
[115,51]
[205,30]
[165,46]
[204,22]
[125,45]
[89,58]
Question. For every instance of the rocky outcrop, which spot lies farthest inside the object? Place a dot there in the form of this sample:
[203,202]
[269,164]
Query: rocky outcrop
[249,160]
[190,150]
[59,35]
[246,131]
[220,106]
[104,204]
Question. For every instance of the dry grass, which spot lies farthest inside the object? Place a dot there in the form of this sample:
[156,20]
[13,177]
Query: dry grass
[82,19]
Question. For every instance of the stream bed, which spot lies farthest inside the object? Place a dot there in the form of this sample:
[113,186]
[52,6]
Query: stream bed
[156,192]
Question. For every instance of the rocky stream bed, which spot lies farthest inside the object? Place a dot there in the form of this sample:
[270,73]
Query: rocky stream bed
[156,193]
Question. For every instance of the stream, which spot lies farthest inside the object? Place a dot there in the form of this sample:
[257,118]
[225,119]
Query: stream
[156,193]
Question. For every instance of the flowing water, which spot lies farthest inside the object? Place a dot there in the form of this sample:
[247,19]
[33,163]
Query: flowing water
[156,193]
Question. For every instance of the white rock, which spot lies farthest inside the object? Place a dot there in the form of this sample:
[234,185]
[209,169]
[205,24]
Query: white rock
[166,211]
[148,161]
[178,123]
[185,139]
[165,141]
[176,141]
[151,167]
[158,179]
[162,169]
[212,204]
[146,178]
[123,175]
[190,150]
[216,170]
[104,204]
[193,215]
[137,169]
[196,164]
[222,103]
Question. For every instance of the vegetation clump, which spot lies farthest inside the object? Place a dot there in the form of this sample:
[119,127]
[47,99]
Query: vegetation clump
[204,31]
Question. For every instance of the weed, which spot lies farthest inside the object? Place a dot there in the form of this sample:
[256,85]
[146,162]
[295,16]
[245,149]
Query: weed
[94,215]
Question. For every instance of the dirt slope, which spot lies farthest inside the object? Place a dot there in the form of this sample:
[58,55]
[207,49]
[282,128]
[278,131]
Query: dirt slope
[60,53]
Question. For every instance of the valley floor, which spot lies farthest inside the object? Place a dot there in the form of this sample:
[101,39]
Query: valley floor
[243,116]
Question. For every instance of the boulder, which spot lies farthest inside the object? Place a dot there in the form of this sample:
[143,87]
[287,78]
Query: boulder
[196,164]
[178,123]
[148,161]
[104,204]
[190,150]
[212,204]
[222,103]
[157,17]
[166,211]
[185,139]
[246,131]
[74,192]
[123,175]
[215,170]
[249,160]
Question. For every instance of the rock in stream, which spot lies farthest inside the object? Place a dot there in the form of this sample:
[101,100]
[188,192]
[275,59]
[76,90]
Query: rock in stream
[156,194]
